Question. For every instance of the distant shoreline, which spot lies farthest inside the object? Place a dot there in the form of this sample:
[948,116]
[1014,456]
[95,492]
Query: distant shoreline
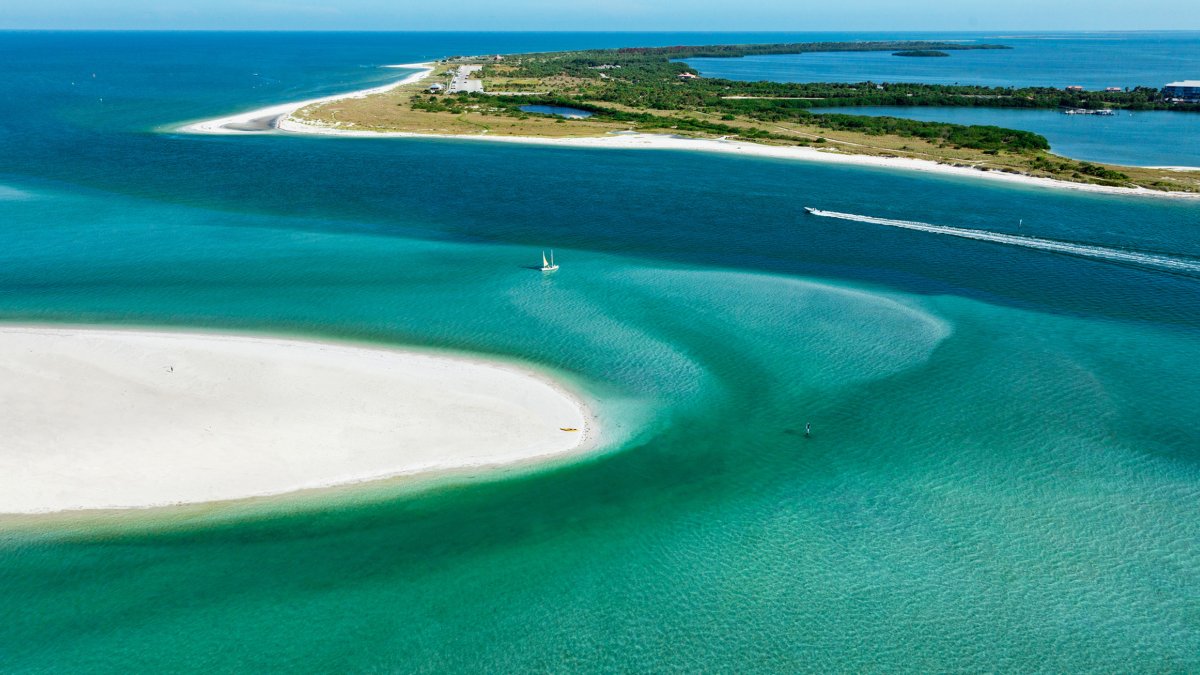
[279,118]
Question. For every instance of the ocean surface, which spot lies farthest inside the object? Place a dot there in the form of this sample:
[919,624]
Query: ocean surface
[1004,469]
[1089,60]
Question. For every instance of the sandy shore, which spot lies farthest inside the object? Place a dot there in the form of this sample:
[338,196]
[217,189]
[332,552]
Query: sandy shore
[278,118]
[116,419]
[263,120]
[632,140]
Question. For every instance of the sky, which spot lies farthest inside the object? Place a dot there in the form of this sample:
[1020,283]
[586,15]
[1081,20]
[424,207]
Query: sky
[604,15]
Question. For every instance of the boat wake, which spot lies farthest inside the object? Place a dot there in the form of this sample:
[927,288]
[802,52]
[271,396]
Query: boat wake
[1177,264]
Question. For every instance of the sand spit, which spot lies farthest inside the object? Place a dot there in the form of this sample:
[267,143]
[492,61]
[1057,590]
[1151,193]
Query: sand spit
[116,419]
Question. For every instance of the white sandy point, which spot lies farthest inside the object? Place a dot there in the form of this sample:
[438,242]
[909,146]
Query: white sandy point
[219,126]
[116,419]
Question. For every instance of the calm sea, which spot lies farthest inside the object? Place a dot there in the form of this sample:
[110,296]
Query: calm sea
[1091,60]
[1004,471]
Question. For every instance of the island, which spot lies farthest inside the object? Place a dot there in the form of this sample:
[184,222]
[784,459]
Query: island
[920,52]
[582,96]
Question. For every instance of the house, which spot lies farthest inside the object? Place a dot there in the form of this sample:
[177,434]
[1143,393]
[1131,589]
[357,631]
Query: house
[1074,87]
[1112,89]
[497,58]
[1186,91]
[436,88]
[688,76]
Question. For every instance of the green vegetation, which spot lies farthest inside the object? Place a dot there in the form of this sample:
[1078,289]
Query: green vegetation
[648,78]
[978,137]
[920,52]
[1079,169]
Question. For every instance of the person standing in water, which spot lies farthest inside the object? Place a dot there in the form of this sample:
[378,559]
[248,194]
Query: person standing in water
[807,429]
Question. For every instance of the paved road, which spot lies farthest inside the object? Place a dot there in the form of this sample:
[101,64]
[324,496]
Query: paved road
[462,80]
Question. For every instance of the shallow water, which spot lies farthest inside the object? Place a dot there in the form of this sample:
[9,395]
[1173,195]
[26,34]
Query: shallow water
[1003,470]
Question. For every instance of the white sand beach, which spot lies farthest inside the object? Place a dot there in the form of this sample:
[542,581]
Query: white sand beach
[94,419]
[263,120]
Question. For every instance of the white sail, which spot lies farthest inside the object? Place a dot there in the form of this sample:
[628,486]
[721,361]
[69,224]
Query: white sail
[544,263]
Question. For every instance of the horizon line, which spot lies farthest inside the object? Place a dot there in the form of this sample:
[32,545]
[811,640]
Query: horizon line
[1044,31]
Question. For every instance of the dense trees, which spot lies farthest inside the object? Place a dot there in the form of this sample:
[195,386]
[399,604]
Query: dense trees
[979,137]
[649,77]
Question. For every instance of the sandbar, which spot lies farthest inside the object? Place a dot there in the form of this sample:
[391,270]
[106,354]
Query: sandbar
[102,419]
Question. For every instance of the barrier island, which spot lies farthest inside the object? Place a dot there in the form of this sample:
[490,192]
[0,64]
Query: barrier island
[652,90]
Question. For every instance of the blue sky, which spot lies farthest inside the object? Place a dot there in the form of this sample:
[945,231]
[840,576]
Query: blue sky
[612,15]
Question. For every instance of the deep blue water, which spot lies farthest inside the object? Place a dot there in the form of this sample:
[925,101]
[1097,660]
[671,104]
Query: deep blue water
[1150,138]
[1090,60]
[1004,473]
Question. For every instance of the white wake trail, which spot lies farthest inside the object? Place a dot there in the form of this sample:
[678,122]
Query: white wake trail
[1157,260]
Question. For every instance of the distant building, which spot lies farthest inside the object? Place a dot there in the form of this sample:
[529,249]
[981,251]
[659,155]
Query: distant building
[687,76]
[1187,91]
[436,88]
[497,58]
[1074,87]
[1112,89]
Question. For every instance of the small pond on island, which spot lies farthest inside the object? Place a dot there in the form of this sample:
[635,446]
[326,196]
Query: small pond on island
[561,111]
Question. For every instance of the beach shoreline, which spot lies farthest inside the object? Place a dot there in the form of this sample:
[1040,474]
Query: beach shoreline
[264,120]
[110,418]
[644,141]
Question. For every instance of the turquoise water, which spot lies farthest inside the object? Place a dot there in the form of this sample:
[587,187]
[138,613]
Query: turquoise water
[1149,138]
[1003,472]
[561,111]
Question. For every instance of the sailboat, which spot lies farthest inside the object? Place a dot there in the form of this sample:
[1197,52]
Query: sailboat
[548,265]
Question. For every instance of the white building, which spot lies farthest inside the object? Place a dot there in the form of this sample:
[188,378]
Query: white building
[1185,91]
